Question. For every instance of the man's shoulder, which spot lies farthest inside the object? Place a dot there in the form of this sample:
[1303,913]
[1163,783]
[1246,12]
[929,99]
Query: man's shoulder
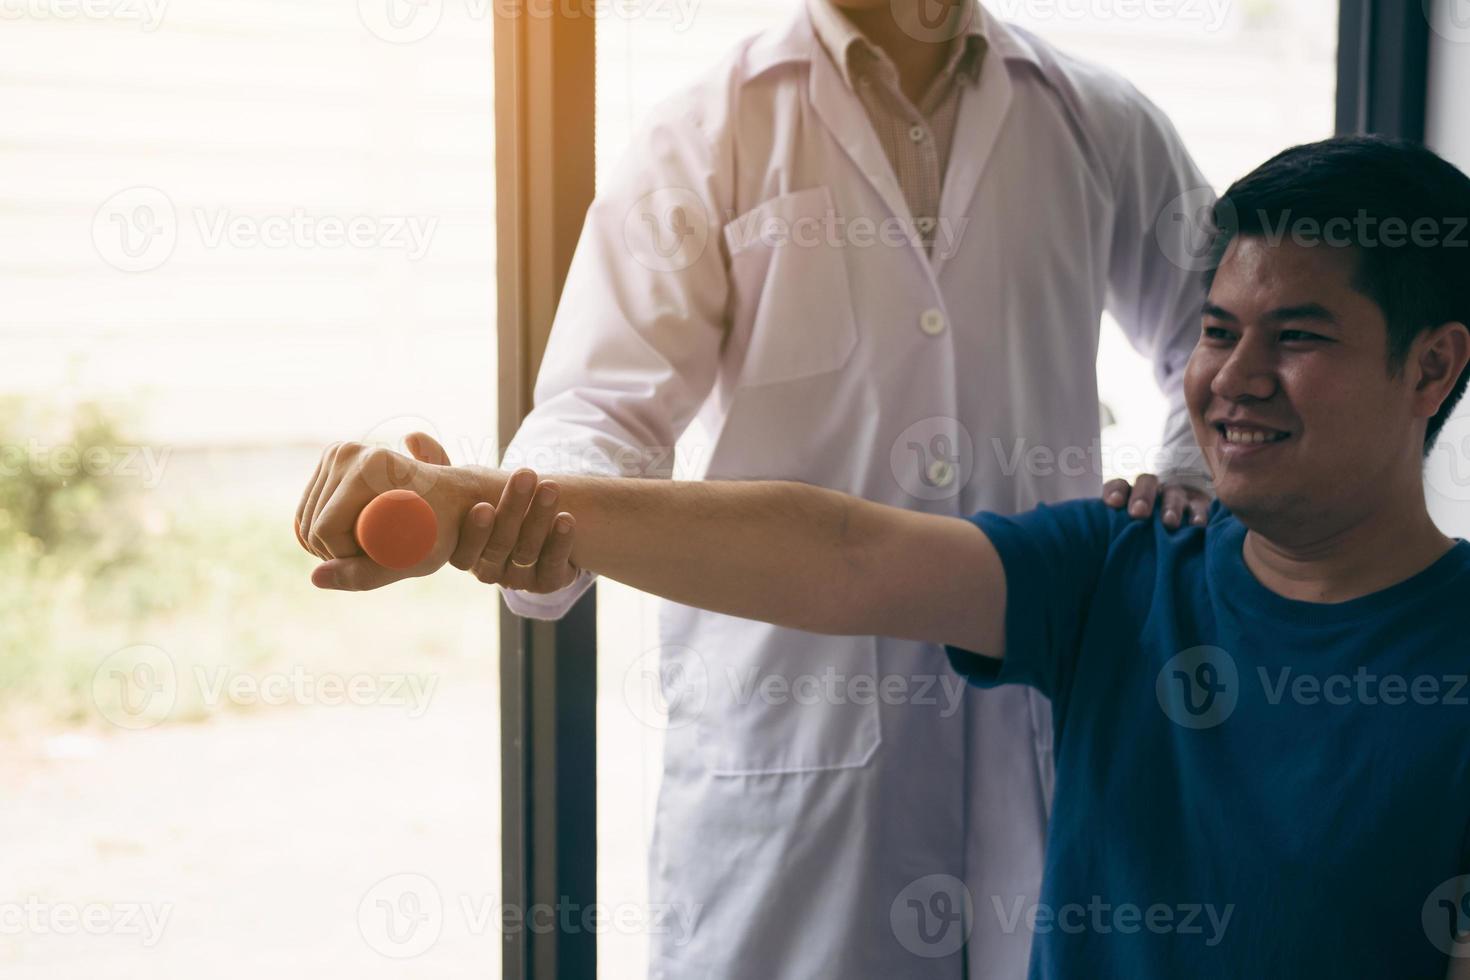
[1092,524]
[768,59]
[1105,107]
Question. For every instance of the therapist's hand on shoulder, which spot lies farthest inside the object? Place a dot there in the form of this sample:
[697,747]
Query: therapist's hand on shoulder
[522,542]
[1180,500]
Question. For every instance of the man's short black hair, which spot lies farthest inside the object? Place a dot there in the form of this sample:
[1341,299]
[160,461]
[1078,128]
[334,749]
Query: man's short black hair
[1403,209]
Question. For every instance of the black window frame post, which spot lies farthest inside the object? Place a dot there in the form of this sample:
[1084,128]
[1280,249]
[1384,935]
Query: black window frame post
[1382,67]
[545,70]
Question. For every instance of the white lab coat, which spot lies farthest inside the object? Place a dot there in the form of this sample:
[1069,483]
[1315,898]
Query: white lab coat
[806,828]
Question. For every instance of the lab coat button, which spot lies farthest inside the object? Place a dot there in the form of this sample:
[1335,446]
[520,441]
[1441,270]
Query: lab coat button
[916,133]
[931,321]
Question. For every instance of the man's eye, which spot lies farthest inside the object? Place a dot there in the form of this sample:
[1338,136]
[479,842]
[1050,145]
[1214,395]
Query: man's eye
[1300,335]
[1217,333]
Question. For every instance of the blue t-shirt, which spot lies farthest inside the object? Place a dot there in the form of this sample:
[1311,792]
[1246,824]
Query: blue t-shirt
[1246,785]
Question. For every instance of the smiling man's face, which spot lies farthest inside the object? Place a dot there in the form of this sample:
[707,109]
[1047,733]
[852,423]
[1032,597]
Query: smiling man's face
[1289,388]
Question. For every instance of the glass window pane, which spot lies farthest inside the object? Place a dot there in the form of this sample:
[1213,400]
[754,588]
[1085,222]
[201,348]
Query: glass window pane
[230,234]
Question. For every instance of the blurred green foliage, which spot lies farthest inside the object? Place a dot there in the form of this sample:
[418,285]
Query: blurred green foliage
[94,559]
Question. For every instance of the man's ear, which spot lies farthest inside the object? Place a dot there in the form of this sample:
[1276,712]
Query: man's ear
[1441,358]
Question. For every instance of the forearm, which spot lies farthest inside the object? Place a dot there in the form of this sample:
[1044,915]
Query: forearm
[774,551]
[791,554]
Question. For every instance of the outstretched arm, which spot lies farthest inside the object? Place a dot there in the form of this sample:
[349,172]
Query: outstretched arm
[786,553]
[794,555]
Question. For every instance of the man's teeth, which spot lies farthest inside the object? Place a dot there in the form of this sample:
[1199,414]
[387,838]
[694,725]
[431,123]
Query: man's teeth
[1251,436]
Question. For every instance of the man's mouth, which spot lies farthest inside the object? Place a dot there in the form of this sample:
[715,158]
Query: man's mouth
[1249,435]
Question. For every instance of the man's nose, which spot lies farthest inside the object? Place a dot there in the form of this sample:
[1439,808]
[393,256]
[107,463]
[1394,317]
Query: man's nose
[1249,372]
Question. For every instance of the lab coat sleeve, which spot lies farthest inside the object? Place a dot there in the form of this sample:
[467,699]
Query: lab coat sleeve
[635,345]
[1155,286]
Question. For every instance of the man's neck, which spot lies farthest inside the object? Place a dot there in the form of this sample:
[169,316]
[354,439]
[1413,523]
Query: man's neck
[918,62]
[1342,563]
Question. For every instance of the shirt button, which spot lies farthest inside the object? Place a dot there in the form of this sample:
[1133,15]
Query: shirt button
[916,133]
[926,225]
[932,322]
[940,472]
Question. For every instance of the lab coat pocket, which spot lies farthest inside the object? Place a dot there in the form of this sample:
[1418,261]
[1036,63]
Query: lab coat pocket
[776,700]
[791,306]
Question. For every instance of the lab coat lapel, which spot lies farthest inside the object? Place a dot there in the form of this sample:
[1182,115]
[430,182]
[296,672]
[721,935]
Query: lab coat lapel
[842,112]
[983,111]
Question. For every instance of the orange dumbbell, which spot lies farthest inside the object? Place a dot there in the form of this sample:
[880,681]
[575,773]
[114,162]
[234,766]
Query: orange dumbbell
[396,529]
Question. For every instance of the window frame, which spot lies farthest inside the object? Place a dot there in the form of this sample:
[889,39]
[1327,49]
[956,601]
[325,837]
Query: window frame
[544,172]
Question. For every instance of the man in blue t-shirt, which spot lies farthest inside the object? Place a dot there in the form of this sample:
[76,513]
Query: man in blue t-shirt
[1263,724]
